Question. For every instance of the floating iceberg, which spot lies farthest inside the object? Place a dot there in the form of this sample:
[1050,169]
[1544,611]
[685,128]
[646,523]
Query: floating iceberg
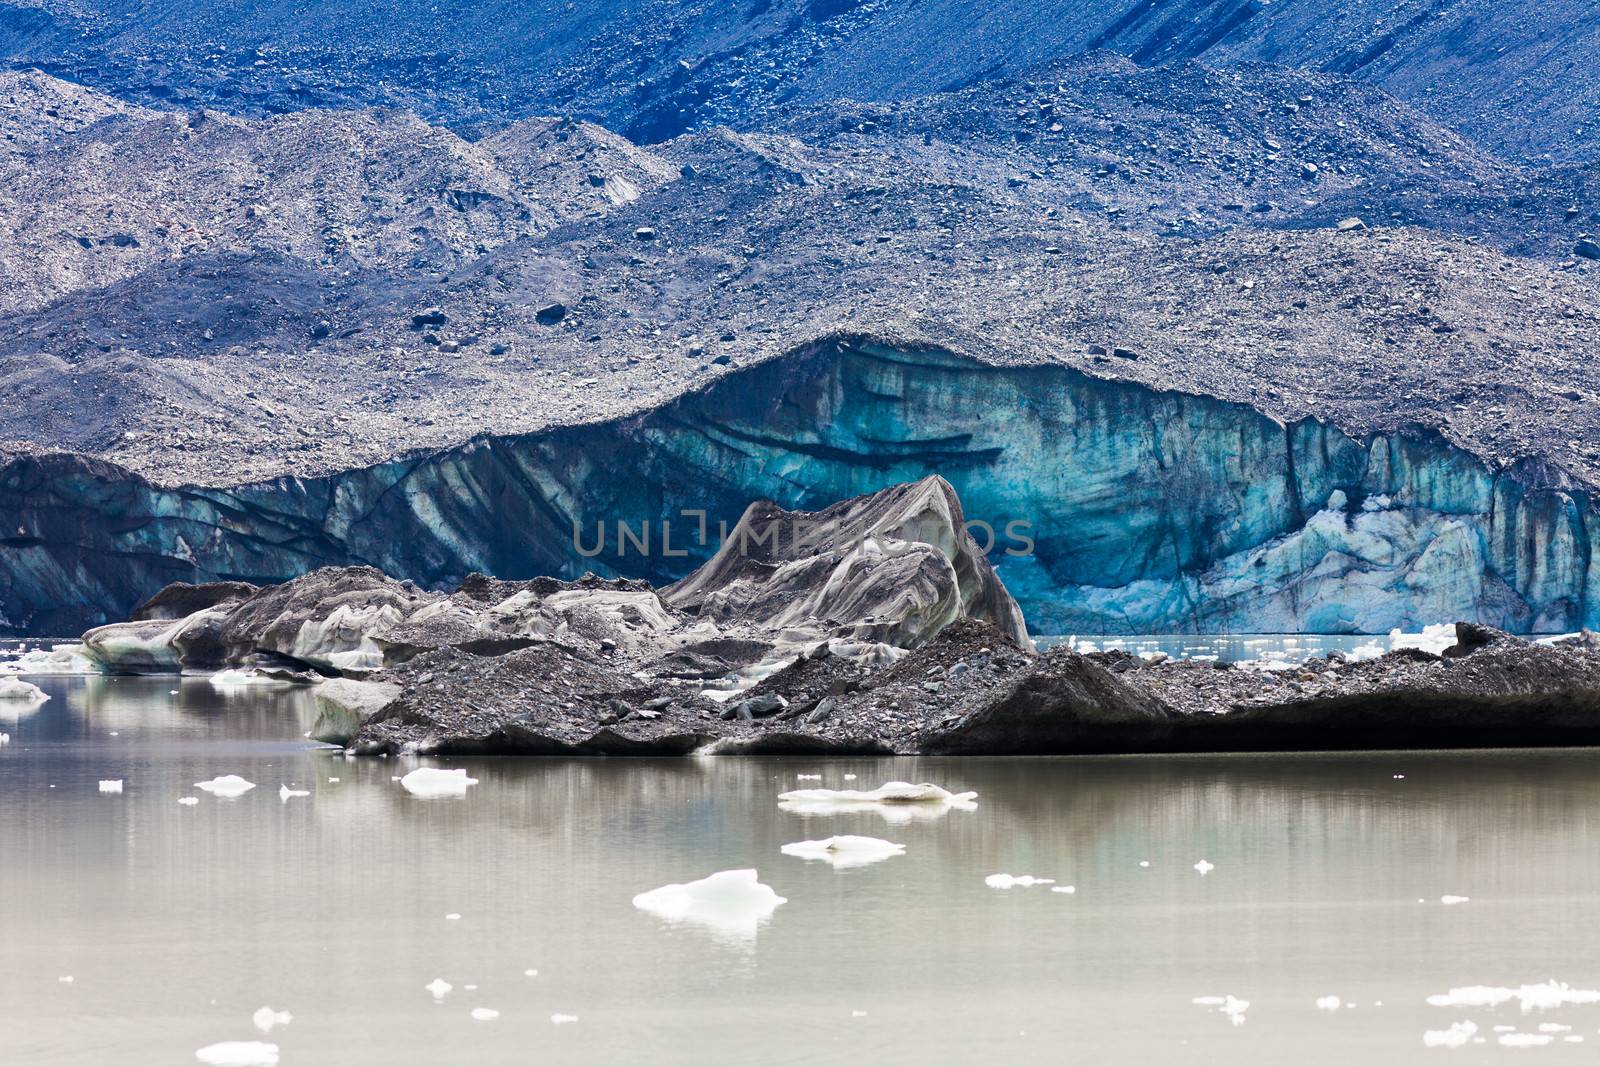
[188,800]
[485,1015]
[1449,899]
[238,1054]
[433,782]
[897,802]
[734,903]
[228,786]
[1329,1003]
[111,785]
[285,793]
[15,689]
[61,659]
[1455,1037]
[266,1018]
[1015,881]
[560,1019]
[438,987]
[1205,867]
[845,851]
[236,679]
[1538,997]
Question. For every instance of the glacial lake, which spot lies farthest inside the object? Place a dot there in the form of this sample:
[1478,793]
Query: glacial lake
[175,923]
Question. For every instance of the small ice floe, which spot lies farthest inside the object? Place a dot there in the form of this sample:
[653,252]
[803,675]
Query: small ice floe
[1228,1005]
[1015,881]
[1329,1003]
[5,739]
[433,783]
[561,1020]
[333,781]
[530,973]
[849,777]
[1205,867]
[438,987]
[858,1014]
[188,800]
[1458,1035]
[453,916]
[1553,1028]
[15,689]
[485,1015]
[1144,863]
[65,979]
[238,1054]
[236,679]
[266,1019]
[1525,1040]
[227,786]
[1448,899]
[1068,889]
[1539,997]
[897,802]
[808,777]
[734,903]
[845,851]
[285,793]
[111,785]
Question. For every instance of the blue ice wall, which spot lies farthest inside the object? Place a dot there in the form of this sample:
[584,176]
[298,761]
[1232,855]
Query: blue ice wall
[1147,511]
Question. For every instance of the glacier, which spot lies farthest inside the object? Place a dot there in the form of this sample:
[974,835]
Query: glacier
[1142,510]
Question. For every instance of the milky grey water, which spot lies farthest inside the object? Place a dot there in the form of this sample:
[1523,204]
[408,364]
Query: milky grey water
[176,923]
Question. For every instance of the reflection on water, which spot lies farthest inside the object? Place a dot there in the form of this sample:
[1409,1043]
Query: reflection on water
[1321,913]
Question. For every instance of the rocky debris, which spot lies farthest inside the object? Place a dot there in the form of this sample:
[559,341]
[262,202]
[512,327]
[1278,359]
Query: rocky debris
[106,349]
[894,567]
[180,599]
[860,579]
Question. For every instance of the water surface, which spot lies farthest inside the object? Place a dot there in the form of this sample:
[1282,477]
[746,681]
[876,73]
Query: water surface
[177,922]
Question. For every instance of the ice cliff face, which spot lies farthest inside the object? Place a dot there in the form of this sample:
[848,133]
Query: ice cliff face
[1126,509]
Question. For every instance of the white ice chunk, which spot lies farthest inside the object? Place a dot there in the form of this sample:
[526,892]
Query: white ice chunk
[896,802]
[434,782]
[15,689]
[485,1015]
[238,1054]
[1525,1040]
[1010,881]
[235,679]
[845,851]
[734,903]
[438,987]
[1329,1003]
[1069,889]
[808,777]
[188,800]
[1448,899]
[1205,867]
[1538,997]
[560,1019]
[228,786]
[1458,1034]
[111,785]
[284,793]
[266,1018]
[453,916]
